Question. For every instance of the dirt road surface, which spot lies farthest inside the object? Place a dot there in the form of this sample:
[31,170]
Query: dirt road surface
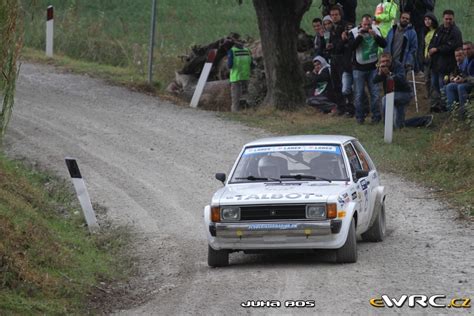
[152,164]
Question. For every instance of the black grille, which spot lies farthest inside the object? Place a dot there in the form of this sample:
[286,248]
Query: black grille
[272,212]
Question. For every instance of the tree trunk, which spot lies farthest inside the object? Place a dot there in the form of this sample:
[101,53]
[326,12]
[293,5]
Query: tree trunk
[279,22]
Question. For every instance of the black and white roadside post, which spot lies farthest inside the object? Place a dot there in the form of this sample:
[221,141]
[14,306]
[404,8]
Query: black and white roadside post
[82,194]
[203,78]
[389,104]
[49,30]
[152,42]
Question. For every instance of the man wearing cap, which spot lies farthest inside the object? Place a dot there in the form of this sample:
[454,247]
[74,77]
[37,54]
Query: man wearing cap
[239,61]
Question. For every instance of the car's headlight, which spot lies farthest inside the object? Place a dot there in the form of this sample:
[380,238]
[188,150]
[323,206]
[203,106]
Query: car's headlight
[230,213]
[317,211]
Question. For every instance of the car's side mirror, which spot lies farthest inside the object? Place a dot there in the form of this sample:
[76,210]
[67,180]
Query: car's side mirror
[361,174]
[220,177]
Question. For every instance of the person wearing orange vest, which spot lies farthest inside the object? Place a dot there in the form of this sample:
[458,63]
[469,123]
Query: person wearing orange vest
[385,14]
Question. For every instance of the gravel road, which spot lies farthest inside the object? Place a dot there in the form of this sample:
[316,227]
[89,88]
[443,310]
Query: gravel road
[152,164]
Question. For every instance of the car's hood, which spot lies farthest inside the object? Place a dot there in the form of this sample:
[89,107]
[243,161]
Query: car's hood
[274,192]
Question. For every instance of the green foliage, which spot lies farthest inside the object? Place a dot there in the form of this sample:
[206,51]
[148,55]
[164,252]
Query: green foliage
[49,263]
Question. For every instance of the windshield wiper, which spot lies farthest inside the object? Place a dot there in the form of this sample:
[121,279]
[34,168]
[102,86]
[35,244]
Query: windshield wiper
[253,178]
[304,176]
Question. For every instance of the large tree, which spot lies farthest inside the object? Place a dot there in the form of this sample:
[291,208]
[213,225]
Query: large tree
[279,22]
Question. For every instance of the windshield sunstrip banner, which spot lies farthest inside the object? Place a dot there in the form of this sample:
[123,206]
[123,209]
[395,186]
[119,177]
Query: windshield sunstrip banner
[272,149]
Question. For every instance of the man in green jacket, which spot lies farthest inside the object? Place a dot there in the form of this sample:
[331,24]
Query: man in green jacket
[385,14]
[239,61]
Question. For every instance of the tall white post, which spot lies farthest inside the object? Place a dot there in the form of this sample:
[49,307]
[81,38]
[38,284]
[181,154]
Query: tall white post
[82,194]
[152,42]
[203,78]
[389,104]
[49,30]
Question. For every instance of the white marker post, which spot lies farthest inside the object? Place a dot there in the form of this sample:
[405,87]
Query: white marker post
[389,100]
[82,194]
[414,89]
[49,31]
[203,78]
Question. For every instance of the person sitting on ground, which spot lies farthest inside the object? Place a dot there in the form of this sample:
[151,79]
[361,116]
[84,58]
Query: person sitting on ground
[459,86]
[321,91]
[402,43]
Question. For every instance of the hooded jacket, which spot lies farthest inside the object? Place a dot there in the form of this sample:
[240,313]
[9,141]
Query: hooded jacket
[320,83]
[409,45]
[428,35]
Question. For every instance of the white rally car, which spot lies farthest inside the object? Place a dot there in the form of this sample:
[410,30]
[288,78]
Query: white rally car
[297,192]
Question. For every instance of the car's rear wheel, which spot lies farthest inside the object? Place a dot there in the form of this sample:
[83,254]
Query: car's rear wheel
[348,252]
[217,258]
[376,233]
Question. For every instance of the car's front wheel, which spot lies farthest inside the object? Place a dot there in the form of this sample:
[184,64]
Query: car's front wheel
[348,252]
[376,233]
[217,258]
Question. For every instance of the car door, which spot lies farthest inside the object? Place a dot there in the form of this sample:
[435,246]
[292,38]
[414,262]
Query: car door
[361,193]
[373,178]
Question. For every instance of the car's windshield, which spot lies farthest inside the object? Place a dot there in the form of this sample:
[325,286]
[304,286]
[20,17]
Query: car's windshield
[291,162]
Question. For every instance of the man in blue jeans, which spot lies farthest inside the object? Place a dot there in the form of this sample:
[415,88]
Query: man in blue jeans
[460,85]
[365,41]
[403,93]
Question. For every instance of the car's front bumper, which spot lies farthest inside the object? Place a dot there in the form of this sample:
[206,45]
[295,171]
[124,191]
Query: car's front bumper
[276,235]
[262,229]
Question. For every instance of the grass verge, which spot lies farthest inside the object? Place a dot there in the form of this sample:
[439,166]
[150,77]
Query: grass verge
[49,263]
[441,157]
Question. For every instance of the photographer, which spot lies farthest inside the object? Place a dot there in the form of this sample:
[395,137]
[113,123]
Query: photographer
[403,94]
[364,41]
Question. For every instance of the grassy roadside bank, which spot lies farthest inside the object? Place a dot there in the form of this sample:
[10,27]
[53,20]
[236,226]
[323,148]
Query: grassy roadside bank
[441,157]
[49,264]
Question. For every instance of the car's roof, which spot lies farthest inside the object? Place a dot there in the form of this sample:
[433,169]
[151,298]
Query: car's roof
[301,139]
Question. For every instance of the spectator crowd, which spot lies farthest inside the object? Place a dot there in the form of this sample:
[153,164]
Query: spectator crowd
[401,39]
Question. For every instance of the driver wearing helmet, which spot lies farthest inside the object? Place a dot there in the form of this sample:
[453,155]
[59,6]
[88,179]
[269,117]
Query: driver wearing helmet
[269,167]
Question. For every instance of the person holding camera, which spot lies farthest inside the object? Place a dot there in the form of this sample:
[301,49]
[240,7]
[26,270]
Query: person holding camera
[364,41]
[389,68]
[403,94]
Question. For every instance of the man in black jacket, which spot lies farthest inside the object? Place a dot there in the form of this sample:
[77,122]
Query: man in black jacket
[348,8]
[446,39]
[335,48]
